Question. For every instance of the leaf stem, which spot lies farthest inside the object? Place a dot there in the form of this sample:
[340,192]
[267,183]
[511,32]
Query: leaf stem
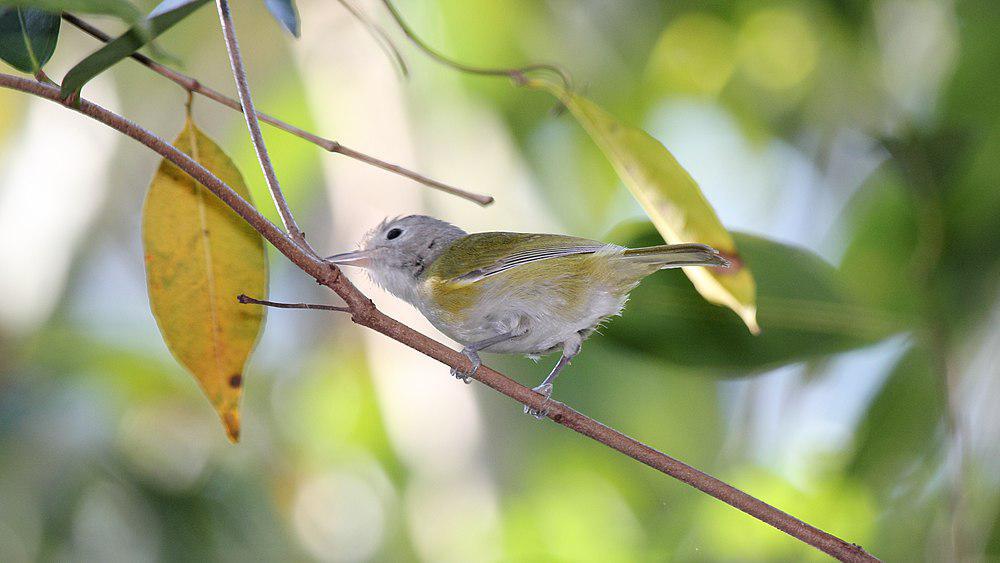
[364,313]
[194,85]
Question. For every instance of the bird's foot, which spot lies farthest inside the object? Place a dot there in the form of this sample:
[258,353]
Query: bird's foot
[545,390]
[466,377]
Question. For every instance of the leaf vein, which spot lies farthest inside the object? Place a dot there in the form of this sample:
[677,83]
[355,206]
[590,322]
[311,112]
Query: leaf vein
[209,266]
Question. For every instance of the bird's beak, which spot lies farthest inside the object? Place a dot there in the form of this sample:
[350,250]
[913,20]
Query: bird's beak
[359,258]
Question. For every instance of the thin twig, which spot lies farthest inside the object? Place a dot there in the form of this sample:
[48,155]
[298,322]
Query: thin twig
[246,100]
[194,85]
[247,300]
[364,312]
[516,74]
[381,37]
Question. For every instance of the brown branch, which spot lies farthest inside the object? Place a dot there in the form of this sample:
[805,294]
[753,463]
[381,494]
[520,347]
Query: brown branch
[246,100]
[247,300]
[515,74]
[364,312]
[194,85]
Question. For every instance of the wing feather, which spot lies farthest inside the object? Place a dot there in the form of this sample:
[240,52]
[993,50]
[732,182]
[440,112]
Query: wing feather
[526,257]
[480,255]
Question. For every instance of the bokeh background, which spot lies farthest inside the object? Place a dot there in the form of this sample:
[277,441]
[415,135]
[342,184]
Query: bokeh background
[866,132]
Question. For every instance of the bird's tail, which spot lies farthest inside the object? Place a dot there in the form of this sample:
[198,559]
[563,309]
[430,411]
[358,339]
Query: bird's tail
[677,255]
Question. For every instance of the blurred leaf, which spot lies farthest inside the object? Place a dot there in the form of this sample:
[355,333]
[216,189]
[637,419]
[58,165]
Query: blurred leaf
[695,54]
[27,37]
[122,9]
[162,18]
[671,199]
[927,243]
[880,261]
[902,425]
[199,256]
[285,12]
[804,313]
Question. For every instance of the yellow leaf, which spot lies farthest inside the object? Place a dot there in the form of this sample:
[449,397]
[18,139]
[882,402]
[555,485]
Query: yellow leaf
[199,257]
[672,200]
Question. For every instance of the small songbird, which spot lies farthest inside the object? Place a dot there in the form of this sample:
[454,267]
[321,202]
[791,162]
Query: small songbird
[511,293]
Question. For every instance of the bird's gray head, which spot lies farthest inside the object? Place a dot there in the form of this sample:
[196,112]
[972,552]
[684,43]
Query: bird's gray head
[398,251]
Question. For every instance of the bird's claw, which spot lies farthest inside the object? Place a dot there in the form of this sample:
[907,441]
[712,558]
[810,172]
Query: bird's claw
[545,390]
[466,377]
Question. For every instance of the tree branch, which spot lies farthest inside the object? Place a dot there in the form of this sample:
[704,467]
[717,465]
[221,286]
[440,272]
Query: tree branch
[364,312]
[380,36]
[515,74]
[194,85]
[247,300]
[246,100]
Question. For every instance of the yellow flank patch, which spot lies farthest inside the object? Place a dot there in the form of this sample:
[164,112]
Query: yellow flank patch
[453,298]
[569,281]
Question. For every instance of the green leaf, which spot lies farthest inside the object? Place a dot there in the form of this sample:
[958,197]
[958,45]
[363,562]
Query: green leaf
[902,425]
[199,257]
[27,37]
[285,12]
[804,313]
[162,18]
[671,199]
[122,9]
[881,256]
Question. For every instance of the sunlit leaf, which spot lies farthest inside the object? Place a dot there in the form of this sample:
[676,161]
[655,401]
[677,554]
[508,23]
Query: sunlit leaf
[122,9]
[199,256]
[804,313]
[27,37]
[671,199]
[285,12]
[162,18]
[903,424]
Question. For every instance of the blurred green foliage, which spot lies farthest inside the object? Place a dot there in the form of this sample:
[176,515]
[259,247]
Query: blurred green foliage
[865,407]
[805,312]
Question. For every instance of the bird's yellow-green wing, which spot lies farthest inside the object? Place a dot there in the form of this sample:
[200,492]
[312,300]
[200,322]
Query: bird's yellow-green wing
[480,255]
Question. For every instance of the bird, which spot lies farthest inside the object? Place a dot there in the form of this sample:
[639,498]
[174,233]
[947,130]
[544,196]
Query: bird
[511,293]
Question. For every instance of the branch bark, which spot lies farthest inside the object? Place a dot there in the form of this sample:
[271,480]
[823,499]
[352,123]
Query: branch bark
[364,313]
[515,74]
[379,34]
[247,300]
[250,113]
[192,84]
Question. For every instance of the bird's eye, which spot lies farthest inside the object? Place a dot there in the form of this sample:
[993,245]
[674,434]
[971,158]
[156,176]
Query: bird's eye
[393,233]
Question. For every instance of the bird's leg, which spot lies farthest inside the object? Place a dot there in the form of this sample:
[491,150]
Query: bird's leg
[472,352]
[570,349]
